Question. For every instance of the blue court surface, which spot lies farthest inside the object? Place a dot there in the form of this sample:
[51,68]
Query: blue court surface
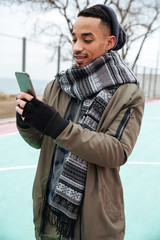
[140,179]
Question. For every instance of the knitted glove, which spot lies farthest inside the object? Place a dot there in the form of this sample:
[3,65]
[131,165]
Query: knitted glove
[44,118]
[20,122]
[19,119]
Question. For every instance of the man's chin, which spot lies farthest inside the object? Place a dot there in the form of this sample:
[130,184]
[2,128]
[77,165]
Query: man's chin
[82,64]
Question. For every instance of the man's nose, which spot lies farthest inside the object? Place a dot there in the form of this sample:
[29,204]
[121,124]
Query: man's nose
[77,46]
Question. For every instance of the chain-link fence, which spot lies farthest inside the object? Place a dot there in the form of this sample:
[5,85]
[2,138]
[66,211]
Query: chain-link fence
[149,80]
[18,54]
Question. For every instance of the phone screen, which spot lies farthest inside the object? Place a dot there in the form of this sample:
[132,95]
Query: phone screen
[25,83]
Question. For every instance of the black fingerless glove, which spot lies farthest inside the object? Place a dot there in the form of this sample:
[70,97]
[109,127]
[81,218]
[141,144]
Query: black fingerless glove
[44,118]
[20,122]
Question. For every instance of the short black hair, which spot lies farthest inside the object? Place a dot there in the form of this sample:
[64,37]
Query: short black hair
[96,12]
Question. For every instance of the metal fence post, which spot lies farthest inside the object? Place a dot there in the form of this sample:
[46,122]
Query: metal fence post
[155,83]
[23,54]
[143,79]
[136,70]
[149,84]
[58,59]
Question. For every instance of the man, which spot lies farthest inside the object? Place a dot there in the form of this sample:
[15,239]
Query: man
[86,127]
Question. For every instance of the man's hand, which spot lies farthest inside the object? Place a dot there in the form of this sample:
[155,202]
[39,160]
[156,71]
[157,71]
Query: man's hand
[22,99]
[39,115]
[35,113]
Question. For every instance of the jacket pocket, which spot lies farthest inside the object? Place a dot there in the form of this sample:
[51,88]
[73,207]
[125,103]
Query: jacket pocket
[113,212]
[123,123]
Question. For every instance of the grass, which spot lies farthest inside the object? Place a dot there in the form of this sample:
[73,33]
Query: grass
[7,105]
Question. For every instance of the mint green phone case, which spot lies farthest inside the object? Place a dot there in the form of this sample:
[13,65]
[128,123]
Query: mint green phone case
[25,83]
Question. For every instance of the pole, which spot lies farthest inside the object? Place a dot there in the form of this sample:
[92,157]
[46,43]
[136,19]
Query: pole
[144,74]
[149,84]
[58,59]
[23,54]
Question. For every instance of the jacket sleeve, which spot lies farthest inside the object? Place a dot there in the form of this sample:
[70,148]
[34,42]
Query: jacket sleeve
[115,139]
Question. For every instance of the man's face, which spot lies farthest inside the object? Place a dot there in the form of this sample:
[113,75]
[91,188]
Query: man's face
[89,41]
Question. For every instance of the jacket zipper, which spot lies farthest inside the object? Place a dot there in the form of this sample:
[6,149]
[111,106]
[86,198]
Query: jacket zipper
[123,123]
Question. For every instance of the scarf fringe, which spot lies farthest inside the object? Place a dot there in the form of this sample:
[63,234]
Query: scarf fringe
[64,225]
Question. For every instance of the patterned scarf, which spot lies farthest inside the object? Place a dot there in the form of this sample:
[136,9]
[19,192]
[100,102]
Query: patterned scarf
[94,85]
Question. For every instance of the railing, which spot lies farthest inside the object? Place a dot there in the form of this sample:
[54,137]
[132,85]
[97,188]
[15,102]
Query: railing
[20,51]
[149,81]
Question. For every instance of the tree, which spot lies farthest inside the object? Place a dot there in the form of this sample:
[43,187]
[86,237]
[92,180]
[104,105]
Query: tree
[138,18]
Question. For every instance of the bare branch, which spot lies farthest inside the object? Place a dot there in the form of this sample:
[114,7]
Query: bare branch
[107,2]
[145,36]
[87,4]
[77,5]
[126,11]
[132,14]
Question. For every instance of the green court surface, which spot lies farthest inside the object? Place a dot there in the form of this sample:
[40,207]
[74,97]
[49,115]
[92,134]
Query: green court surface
[140,179]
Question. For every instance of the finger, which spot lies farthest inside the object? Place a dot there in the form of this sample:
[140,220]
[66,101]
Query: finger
[24,95]
[21,103]
[19,110]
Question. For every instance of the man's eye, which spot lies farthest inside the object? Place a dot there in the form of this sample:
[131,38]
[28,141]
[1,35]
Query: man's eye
[88,41]
[74,40]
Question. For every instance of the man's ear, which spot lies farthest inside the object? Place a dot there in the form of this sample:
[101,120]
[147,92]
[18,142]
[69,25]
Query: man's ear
[110,42]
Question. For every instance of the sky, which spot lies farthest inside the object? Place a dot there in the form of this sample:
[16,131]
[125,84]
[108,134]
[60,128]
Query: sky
[15,22]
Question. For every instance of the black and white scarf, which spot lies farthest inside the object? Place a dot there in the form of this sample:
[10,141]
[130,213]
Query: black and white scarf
[94,85]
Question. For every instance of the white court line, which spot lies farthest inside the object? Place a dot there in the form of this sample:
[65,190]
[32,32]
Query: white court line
[144,163]
[34,166]
[153,118]
[8,134]
[18,168]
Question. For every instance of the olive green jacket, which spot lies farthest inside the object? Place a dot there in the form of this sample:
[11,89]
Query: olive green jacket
[102,213]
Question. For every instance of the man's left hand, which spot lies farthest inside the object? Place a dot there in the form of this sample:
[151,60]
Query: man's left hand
[38,115]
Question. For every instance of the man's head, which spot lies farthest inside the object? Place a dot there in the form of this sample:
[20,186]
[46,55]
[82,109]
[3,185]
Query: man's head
[92,34]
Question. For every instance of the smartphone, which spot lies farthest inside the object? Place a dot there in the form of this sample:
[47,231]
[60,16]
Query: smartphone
[25,83]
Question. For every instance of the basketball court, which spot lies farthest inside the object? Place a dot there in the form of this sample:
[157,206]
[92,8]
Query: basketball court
[140,179]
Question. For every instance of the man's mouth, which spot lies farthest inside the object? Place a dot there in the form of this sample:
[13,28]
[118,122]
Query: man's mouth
[79,58]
